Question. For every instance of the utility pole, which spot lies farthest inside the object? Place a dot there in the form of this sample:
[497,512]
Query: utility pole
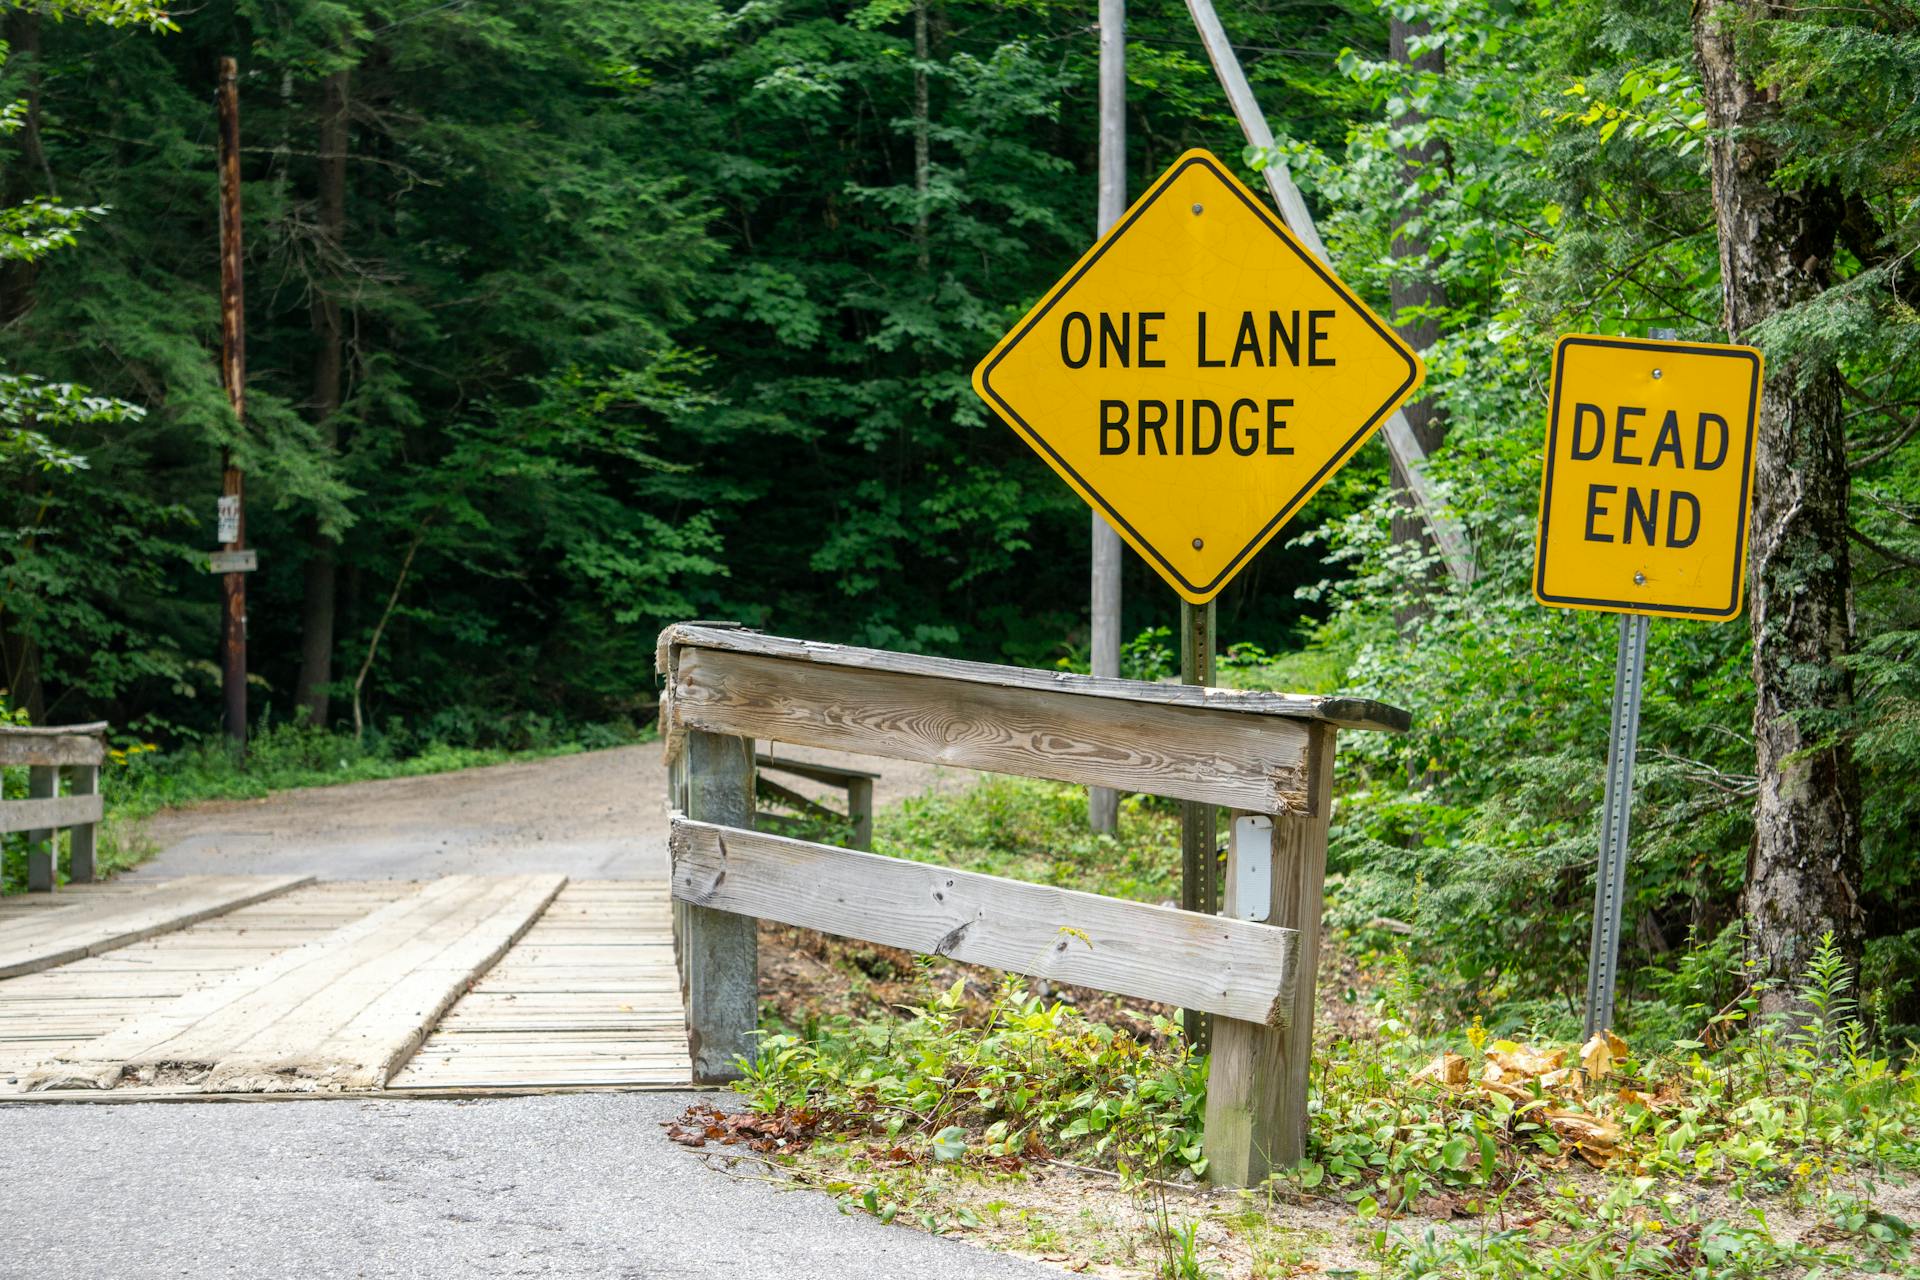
[1103,803]
[233,374]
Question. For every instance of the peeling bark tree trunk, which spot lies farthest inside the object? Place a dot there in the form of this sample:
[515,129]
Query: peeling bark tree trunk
[317,608]
[1776,251]
[1428,423]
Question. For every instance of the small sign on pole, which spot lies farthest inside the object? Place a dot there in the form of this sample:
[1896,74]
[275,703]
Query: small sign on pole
[1644,497]
[233,561]
[229,522]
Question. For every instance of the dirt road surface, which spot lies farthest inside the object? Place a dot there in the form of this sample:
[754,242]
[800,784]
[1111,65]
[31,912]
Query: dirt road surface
[598,815]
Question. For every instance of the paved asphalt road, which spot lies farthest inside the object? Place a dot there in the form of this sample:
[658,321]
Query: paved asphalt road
[580,1185]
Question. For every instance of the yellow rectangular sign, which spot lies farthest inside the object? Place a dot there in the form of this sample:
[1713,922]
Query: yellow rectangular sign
[1647,478]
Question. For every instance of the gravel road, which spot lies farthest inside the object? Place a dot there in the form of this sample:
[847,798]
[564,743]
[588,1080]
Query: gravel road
[598,815]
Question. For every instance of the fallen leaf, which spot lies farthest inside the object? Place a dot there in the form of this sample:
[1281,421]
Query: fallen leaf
[1449,1069]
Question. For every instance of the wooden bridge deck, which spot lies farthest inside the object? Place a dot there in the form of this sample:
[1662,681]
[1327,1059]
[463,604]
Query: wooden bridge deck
[329,988]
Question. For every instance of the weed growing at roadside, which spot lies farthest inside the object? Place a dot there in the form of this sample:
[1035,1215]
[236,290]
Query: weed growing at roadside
[1034,1079]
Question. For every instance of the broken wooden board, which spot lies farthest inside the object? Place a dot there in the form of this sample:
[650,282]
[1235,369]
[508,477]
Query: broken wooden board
[1235,968]
[44,1015]
[339,1013]
[588,998]
[94,923]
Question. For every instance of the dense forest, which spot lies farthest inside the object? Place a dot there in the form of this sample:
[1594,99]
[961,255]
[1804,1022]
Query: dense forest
[565,321]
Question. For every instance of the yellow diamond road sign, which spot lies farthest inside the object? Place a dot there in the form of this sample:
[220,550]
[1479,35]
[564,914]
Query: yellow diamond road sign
[1647,476]
[1198,375]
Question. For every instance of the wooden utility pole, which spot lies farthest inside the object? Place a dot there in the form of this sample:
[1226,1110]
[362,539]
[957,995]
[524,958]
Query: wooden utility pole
[1103,803]
[233,374]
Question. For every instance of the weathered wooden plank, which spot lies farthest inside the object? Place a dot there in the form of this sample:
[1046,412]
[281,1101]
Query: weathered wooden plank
[1347,713]
[1231,967]
[826,774]
[718,951]
[56,748]
[83,780]
[43,786]
[49,811]
[1257,1088]
[97,924]
[768,789]
[337,1013]
[523,1028]
[1186,752]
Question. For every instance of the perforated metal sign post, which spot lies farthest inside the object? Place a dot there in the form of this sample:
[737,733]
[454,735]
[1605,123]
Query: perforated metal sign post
[1197,375]
[1645,489]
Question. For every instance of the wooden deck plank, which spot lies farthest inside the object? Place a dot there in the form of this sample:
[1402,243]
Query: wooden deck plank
[590,998]
[99,922]
[83,1002]
[340,1011]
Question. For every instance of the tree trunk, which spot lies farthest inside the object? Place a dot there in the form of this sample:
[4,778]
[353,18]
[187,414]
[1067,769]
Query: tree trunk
[24,169]
[922,139]
[1776,251]
[1423,289]
[317,608]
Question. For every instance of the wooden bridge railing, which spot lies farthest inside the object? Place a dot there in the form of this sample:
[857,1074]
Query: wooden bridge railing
[78,750]
[857,783]
[1268,757]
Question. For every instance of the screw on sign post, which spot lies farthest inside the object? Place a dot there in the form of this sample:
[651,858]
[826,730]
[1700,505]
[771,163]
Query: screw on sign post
[1645,490]
[1196,377]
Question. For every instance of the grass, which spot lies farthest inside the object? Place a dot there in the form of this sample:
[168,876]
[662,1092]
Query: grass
[1753,1147]
[139,780]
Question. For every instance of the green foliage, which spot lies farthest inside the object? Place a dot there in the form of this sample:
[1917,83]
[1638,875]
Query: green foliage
[1034,1076]
[1795,1111]
[1037,831]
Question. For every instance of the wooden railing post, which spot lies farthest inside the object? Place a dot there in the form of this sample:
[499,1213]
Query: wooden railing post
[718,953]
[860,809]
[82,780]
[1257,1089]
[43,783]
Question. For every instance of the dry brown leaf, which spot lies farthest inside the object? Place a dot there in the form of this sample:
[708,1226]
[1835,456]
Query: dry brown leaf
[1598,1055]
[1595,1138]
[1523,1060]
[1449,1069]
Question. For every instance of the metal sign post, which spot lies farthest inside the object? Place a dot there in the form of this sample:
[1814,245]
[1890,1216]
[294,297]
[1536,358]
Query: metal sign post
[1610,881]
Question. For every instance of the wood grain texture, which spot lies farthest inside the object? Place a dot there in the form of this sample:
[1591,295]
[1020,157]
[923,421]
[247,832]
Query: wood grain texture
[340,1012]
[57,748]
[90,997]
[1257,1091]
[82,780]
[49,812]
[98,923]
[588,996]
[718,951]
[1232,967]
[1346,713]
[825,774]
[1186,752]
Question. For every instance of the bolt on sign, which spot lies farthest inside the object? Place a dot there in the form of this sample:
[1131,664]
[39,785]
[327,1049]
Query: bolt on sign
[1644,492]
[1197,375]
